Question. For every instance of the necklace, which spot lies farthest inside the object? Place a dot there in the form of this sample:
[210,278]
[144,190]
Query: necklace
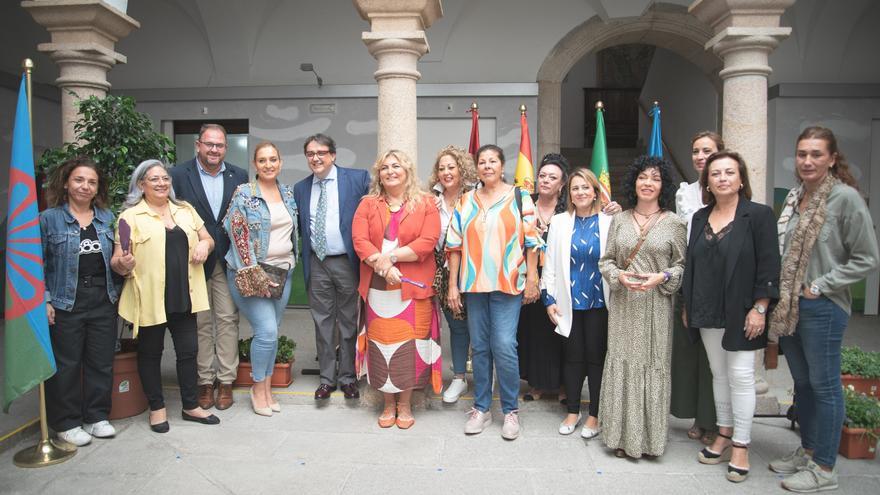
[637,212]
[646,225]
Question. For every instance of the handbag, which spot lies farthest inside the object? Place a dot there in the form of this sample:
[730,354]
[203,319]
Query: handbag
[253,281]
[441,281]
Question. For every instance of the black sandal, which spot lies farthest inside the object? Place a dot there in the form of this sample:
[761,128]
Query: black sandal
[706,456]
[737,474]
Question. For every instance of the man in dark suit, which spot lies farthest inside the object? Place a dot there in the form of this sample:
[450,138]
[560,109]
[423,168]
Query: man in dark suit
[327,200]
[207,182]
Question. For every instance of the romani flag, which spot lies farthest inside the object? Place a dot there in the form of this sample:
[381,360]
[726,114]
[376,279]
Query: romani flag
[28,350]
[656,146]
[599,162]
[524,176]
[474,143]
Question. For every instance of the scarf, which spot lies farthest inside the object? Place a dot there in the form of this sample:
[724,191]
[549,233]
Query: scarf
[784,318]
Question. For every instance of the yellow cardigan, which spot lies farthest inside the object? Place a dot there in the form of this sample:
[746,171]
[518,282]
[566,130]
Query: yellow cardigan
[142,301]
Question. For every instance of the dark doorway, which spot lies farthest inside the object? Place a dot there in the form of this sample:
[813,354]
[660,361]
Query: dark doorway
[621,116]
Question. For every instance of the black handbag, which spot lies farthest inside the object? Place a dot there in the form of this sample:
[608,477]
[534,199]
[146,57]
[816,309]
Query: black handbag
[278,275]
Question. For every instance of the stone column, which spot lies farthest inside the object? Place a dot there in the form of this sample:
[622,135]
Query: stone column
[550,117]
[84,34]
[746,31]
[397,41]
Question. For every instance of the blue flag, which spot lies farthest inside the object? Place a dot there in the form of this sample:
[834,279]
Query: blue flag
[655,148]
[28,349]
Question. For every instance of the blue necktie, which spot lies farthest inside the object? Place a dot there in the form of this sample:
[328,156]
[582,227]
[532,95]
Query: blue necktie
[321,223]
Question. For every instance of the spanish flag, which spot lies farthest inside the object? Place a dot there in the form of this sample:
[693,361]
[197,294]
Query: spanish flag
[524,176]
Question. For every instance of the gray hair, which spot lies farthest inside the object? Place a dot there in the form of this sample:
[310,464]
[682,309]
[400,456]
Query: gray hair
[135,192]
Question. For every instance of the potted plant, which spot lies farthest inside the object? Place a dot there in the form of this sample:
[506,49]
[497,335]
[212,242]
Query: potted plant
[117,137]
[861,370]
[861,427]
[282,376]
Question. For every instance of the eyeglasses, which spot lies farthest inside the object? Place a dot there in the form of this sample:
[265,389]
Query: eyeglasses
[312,154]
[211,146]
[158,179]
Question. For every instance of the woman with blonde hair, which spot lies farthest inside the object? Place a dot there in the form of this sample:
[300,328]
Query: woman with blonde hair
[575,297]
[395,229]
[453,175]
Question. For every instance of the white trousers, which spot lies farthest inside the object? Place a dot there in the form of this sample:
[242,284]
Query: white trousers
[733,385]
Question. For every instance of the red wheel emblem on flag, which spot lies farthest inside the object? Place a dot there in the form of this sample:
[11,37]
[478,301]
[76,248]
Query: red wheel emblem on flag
[24,274]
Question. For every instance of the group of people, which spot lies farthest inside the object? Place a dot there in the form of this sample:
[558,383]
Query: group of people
[555,288]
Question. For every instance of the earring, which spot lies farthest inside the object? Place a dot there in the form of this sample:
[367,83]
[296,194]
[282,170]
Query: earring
[740,187]
[707,189]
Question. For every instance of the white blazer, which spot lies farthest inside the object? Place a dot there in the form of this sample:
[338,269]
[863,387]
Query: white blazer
[556,277]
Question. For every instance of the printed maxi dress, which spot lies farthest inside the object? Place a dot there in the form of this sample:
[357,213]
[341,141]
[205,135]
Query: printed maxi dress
[634,402]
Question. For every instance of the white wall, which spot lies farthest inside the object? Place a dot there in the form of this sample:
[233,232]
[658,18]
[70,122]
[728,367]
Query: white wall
[582,75]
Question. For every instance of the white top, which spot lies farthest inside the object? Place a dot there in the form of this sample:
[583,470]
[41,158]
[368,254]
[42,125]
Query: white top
[280,250]
[445,216]
[688,200]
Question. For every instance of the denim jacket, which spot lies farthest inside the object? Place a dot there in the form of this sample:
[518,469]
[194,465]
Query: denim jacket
[60,237]
[248,223]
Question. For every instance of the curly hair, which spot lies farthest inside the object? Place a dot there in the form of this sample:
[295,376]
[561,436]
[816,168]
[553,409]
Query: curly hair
[667,185]
[466,167]
[841,166]
[412,190]
[56,192]
[562,163]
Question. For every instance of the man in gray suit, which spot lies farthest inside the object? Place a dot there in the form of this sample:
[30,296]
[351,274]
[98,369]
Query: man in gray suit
[327,200]
[207,182]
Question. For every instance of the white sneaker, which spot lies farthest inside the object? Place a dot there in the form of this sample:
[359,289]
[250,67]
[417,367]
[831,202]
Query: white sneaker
[454,390]
[101,429]
[477,421]
[510,430]
[75,436]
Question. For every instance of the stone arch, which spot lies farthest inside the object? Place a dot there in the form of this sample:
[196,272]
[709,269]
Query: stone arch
[664,26]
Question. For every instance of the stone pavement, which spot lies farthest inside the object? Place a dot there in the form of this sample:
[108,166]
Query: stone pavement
[337,447]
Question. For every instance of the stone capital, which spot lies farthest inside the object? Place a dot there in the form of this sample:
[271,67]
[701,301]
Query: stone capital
[721,14]
[397,53]
[77,21]
[399,15]
[746,50]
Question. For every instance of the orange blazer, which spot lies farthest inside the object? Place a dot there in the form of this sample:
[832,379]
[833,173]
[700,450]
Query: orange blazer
[419,230]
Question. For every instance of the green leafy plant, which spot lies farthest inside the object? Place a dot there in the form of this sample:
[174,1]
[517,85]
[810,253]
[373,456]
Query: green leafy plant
[286,346]
[854,361]
[117,137]
[862,411]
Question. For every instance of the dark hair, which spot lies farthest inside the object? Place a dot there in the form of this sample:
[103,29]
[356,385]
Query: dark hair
[562,163]
[667,185]
[490,147]
[746,191]
[216,127]
[56,193]
[841,166]
[323,140]
[714,136]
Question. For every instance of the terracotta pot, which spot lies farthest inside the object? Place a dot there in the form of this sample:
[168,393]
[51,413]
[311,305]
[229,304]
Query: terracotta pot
[867,386]
[127,396]
[282,375]
[855,443]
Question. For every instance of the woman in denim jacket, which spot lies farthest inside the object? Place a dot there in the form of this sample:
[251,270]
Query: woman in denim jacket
[77,239]
[261,222]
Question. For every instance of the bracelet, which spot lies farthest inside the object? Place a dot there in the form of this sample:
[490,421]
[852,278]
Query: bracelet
[666,277]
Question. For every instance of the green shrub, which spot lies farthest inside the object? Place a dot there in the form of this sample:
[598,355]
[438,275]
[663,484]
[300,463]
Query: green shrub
[854,361]
[286,346]
[862,411]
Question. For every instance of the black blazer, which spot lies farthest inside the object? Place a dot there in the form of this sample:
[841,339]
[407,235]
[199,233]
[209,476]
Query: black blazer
[188,187]
[751,270]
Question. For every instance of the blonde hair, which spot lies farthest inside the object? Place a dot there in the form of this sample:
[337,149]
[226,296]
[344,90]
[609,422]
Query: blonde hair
[466,168]
[590,178]
[412,192]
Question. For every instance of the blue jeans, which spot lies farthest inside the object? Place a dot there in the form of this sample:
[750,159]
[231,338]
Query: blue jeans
[492,321]
[460,341]
[813,355]
[264,314]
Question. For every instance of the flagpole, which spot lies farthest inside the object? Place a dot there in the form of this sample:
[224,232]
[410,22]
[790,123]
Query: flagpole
[48,451]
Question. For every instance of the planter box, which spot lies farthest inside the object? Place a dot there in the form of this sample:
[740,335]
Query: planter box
[855,443]
[282,376]
[867,386]
[127,398]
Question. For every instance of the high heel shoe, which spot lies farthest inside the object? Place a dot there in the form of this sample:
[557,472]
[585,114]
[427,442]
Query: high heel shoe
[262,411]
[404,423]
[274,405]
[707,456]
[737,474]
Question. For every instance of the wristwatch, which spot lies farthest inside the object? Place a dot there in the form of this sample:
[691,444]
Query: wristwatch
[814,290]
[759,308]
[393,259]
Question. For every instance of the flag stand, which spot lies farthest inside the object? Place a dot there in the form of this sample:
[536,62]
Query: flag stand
[48,451]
